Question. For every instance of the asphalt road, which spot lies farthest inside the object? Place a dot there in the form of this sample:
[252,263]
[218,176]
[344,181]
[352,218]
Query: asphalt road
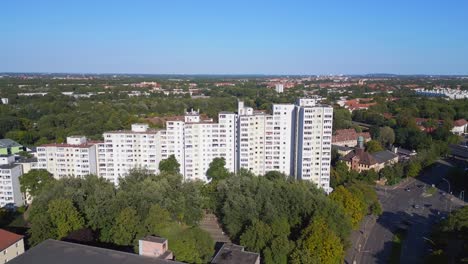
[408,210]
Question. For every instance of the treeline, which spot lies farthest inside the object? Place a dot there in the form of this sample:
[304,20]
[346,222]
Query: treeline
[285,220]
[92,210]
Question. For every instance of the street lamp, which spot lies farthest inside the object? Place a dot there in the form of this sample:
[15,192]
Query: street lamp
[447,183]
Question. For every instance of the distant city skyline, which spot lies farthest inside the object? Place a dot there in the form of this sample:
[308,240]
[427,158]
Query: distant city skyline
[235,38]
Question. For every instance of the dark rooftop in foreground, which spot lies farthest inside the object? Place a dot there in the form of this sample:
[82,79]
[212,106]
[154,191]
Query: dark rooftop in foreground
[60,252]
[234,254]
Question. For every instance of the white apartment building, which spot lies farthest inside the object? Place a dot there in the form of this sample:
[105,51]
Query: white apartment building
[280,139]
[266,142]
[279,87]
[10,172]
[124,150]
[313,142]
[205,140]
[295,140]
[76,158]
[252,126]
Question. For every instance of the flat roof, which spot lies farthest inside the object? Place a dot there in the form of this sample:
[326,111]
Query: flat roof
[154,239]
[59,252]
[234,254]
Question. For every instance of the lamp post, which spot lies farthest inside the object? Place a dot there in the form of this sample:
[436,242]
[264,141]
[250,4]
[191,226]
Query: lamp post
[447,183]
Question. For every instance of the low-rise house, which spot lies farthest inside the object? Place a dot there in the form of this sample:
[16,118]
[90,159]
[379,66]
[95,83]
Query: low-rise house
[460,127]
[348,137]
[360,160]
[8,147]
[404,154]
[11,246]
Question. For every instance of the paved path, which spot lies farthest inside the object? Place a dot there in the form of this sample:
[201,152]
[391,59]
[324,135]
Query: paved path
[399,212]
[210,224]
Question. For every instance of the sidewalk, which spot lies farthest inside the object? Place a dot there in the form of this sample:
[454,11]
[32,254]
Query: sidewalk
[358,239]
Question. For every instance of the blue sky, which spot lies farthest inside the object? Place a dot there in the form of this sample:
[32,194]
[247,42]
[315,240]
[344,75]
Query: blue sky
[234,37]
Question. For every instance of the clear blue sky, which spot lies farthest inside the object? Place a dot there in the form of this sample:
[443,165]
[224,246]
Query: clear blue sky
[234,37]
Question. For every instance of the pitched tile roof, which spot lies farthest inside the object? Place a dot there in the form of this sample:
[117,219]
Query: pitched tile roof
[349,134]
[364,157]
[460,122]
[8,238]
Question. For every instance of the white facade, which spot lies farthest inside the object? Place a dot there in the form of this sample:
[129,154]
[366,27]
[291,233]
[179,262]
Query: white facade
[4,100]
[295,140]
[313,141]
[205,140]
[10,172]
[280,140]
[279,87]
[124,150]
[251,139]
[15,246]
[76,158]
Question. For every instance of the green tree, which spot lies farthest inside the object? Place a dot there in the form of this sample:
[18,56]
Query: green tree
[318,244]
[158,218]
[34,181]
[191,245]
[386,136]
[125,227]
[275,175]
[373,146]
[169,165]
[413,168]
[352,205]
[64,217]
[217,170]
[41,229]
[256,236]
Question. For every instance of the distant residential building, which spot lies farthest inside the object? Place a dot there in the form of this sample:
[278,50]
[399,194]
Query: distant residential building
[360,160]
[460,127]
[348,137]
[76,158]
[359,104]
[11,246]
[10,172]
[443,92]
[279,88]
[5,100]
[8,146]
